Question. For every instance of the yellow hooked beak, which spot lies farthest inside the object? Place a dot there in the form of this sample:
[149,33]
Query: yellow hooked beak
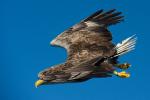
[38,83]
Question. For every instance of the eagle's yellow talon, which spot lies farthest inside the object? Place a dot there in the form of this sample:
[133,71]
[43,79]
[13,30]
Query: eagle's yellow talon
[123,66]
[122,74]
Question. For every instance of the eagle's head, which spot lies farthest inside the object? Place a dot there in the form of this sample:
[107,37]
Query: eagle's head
[44,77]
[51,75]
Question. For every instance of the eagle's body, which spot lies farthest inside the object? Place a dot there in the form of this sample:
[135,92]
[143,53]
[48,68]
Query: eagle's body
[91,52]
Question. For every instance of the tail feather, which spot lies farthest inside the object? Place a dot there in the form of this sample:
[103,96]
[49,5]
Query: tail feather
[125,46]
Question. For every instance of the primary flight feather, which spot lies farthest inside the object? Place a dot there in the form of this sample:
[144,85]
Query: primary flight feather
[91,52]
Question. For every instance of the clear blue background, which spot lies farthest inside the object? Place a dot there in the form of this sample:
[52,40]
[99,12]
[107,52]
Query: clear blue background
[27,27]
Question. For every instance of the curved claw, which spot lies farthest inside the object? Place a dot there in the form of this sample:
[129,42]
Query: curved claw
[123,66]
[122,74]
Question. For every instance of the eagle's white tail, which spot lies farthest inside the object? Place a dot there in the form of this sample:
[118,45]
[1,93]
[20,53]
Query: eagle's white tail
[125,46]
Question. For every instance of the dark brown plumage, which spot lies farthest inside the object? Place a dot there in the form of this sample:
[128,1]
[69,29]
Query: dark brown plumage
[89,47]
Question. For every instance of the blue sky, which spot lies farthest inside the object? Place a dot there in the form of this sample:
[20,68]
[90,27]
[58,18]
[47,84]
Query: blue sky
[27,27]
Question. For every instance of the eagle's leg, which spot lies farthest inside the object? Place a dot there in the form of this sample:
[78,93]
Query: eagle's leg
[123,66]
[122,74]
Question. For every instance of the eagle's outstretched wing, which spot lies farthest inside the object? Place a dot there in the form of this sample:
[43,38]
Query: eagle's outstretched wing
[89,38]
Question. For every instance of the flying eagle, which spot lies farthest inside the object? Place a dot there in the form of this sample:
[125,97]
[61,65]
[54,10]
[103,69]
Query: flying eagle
[91,53]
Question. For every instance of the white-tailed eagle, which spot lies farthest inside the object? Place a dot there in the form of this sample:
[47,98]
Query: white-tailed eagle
[91,53]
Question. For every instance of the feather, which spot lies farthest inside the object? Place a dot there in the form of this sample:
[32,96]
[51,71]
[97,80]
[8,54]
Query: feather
[125,46]
[105,18]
